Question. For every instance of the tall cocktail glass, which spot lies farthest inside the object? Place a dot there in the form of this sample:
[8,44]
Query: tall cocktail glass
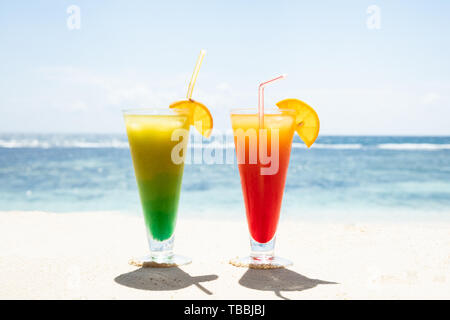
[157,139]
[263,159]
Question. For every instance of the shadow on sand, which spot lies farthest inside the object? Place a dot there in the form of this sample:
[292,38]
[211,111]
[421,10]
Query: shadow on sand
[156,279]
[278,280]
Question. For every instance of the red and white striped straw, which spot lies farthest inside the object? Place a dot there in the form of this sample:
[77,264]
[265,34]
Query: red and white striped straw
[261,98]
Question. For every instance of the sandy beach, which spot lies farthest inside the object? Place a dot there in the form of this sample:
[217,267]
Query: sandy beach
[85,256]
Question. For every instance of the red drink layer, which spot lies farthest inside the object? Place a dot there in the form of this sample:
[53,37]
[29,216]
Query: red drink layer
[263,177]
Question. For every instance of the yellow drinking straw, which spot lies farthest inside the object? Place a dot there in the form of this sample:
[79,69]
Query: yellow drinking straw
[195,74]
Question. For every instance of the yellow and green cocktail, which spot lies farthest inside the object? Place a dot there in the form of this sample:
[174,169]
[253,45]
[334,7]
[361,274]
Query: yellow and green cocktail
[158,176]
[154,135]
[158,139]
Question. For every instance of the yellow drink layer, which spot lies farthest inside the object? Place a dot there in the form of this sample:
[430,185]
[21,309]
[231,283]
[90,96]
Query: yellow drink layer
[157,175]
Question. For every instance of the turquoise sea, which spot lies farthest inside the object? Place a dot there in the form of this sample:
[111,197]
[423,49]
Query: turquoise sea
[340,177]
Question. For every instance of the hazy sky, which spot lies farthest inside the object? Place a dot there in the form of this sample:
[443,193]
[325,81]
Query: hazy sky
[360,80]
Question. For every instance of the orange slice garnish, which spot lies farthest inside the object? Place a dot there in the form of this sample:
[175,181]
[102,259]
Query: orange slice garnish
[200,117]
[308,124]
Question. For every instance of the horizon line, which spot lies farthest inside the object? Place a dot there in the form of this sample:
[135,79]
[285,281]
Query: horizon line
[193,132]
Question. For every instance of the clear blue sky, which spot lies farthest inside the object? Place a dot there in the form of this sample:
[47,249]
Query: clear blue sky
[394,80]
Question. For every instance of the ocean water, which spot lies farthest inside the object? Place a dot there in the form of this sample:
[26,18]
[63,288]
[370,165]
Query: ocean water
[356,178]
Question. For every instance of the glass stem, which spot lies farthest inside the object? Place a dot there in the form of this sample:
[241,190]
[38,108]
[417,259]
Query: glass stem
[262,252]
[161,251]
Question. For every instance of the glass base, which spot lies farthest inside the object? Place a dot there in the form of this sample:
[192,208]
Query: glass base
[272,262]
[161,255]
[261,257]
[149,261]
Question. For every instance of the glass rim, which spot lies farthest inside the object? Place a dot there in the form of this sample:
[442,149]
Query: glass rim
[163,111]
[271,110]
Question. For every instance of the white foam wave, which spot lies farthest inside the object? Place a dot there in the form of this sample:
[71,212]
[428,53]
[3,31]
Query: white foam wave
[352,146]
[35,143]
[414,146]
[116,143]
